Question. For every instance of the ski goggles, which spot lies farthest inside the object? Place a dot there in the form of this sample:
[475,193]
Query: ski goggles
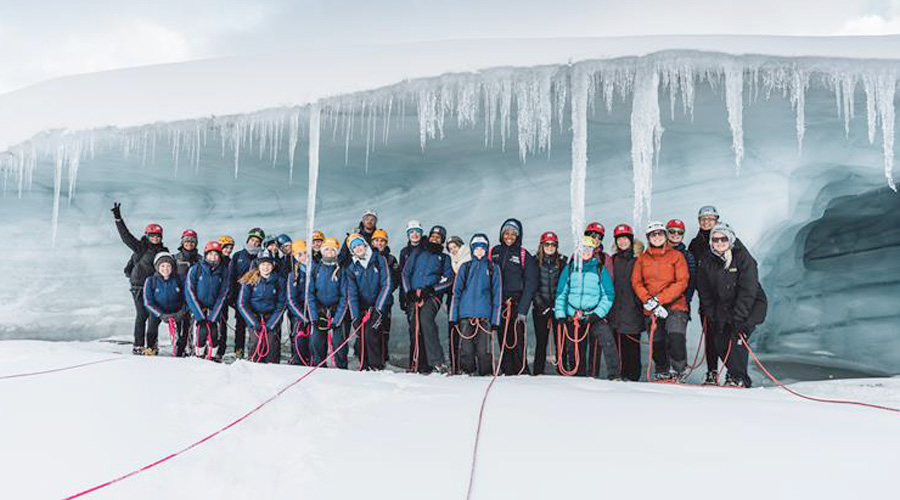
[720,239]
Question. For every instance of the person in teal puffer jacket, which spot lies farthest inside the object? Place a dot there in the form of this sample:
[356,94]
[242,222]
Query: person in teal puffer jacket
[583,299]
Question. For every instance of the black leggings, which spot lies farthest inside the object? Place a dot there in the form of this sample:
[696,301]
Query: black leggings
[140,316]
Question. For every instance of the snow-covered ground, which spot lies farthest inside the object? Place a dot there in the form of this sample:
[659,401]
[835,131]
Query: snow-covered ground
[342,434]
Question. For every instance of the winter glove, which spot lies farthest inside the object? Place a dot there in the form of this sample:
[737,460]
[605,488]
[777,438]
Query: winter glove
[651,304]
[375,318]
[661,312]
[411,297]
[117,210]
[520,319]
[592,318]
[322,324]
[426,292]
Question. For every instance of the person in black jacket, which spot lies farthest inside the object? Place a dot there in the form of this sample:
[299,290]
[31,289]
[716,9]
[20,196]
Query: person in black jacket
[734,301]
[550,264]
[520,280]
[380,243]
[627,314]
[366,228]
[699,248]
[138,269]
[415,235]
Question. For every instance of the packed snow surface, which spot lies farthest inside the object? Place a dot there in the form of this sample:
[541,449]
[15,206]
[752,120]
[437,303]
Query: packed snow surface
[344,434]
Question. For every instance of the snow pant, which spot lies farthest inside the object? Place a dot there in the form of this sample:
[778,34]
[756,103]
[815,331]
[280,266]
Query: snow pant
[512,342]
[240,331]
[629,345]
[426,352]
[385,330]
[574,348]
[710,348]
[299,337]
[140,316]
[184,346]
[336,337]
[265,346]
[670,343]
[453,344]
[370,347]
[475,347]
[223,333]
[153,332]
[543,326]
[733,351]
[602,342]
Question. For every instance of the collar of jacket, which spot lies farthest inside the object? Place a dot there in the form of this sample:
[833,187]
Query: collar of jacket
[364,261]
[658,251]
[434,247]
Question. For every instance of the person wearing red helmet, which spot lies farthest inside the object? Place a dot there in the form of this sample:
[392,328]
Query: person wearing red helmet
[596,231]
[550,264]
[675,237]
[138,268]
[206,289]
[187,254]
[626,316]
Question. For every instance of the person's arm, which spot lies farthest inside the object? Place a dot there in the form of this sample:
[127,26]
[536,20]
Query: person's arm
[747,287]
[497,299]
[220,302]
[637,281]
[190,295]
[350,290]
[607,292]
[311,302]
[130,241]
[343,302]
[532,280]
[446,276]
[705,290]
[459,282]
[692,271]
[280,306]
[149,300]
[292,297]
[245,308]
[562,294]
[384,275]
[673,291]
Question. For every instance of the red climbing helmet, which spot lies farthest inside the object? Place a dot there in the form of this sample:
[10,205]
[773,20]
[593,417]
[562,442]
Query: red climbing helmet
[549,237]
[675,224]
[153,228]
[212,246]
[595,227]
[189,233]
[623,230]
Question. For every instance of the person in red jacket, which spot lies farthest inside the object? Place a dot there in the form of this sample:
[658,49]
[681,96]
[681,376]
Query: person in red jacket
[660,278]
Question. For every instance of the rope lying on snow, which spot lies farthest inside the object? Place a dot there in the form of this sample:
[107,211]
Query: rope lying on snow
[61,369]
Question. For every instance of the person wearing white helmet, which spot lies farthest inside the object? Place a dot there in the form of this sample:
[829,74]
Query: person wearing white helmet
[414,235]
[659,279]
[163,298]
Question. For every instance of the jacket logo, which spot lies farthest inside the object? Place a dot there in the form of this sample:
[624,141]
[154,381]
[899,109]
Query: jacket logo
[732,270]
[515,260]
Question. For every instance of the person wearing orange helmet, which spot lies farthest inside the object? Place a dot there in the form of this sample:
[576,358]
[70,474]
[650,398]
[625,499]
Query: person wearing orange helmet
[227,243]
[380,243]
[550,264]
[627,314]
[328,306]
[296,303]
[138,268]
[206,289]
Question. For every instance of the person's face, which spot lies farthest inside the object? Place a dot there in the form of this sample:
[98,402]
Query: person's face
[227,249]
[301,257]
[165,269]
[509,237]
[154,238]
[623,243]
[587,253]
[719,242]
[254,242]
[479,252]
[369,222]
[676,235]
[189,245]
[329,252]
[415,237]
[286,249]
[550,248]
[359,251]
[453,247]
[379,244]
[436,238]
[212,257]
[272,246]
[317,245]
[707,222]
[657,238]
[265,268]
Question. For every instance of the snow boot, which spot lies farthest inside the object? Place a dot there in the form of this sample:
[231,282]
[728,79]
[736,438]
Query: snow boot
[151,351]
[679,377]
[734,382]
[238,353]
[663,377]
[137,351]
[712,378]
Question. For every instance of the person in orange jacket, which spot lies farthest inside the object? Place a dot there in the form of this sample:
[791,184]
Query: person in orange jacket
[660,278]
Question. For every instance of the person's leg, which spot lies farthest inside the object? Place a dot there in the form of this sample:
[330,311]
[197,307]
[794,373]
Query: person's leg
[240,335]
[140,317]
[385,337]
[630,349]
[274,344]
[303,345]
[153,334]
[737,362]
[584,335]
[318,345]
[603,336]
[468,351]
[676,346]
[374,358]
[712,357]
[483,354]
[541,335]
[222,340]
[338,335]
[429,329]
[255,351]
[660,342]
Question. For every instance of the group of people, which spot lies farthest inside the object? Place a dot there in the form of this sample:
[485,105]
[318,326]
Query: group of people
[594,305]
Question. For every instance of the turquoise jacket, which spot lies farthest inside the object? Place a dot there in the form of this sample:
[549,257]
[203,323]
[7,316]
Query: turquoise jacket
[589,290]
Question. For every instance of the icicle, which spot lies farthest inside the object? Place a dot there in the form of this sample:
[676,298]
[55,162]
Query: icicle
[646,136]
[880,90]
[734,102]
[237,133]
[312,183]
[580,84]
[57,184]
[798,84]
[292,143]
[73,158]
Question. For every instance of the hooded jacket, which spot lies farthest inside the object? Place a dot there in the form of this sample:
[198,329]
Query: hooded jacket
[692,271]
[428,267]
[627,313]
[205,289]
[140,266]
[327,289]
[368,283]
[241,262]
[477,292]
[662,273]
[164,296]
[589,290]
[548,281]
[394,267]
[520,279]
[462,255]
[263,302]
[185,259]
[733,295]
[296,292]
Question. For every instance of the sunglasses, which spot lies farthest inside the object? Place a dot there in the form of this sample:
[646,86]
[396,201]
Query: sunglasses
[550,244]
[676,231]
[720,239]
[154,235]
[593,234]
[656,233]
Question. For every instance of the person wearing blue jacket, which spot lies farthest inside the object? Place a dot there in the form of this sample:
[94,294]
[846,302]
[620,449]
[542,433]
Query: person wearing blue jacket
[241,262]
[475,308]
[368,292]
[427,275]
[584,297]
[163,299]
[206,289]
[261,302]
[521,278]
[327,302]
[296,304]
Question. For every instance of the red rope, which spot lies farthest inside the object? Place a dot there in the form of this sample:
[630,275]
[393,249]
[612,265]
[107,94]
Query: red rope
[262,344]
[361,330]
[61,369]
[810,398]
[650,355]
[414,362]
[173,336]
[208,437]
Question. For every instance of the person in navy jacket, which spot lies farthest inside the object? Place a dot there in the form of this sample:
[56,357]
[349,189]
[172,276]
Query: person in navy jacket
[368,290]
[426,275]
[261,302]
[163,299]
[296,304]
[241,262]
[521,277]
[475,308]
[206,289]
[380,245]
[327,301]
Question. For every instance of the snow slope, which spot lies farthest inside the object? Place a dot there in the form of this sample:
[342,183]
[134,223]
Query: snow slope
[389,435]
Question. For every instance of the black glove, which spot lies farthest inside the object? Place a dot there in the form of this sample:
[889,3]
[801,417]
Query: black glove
[742,328]
[411,297]
[592,318]
[179,316]
[116,210]
[322,324]
[427,291]
[375,318]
